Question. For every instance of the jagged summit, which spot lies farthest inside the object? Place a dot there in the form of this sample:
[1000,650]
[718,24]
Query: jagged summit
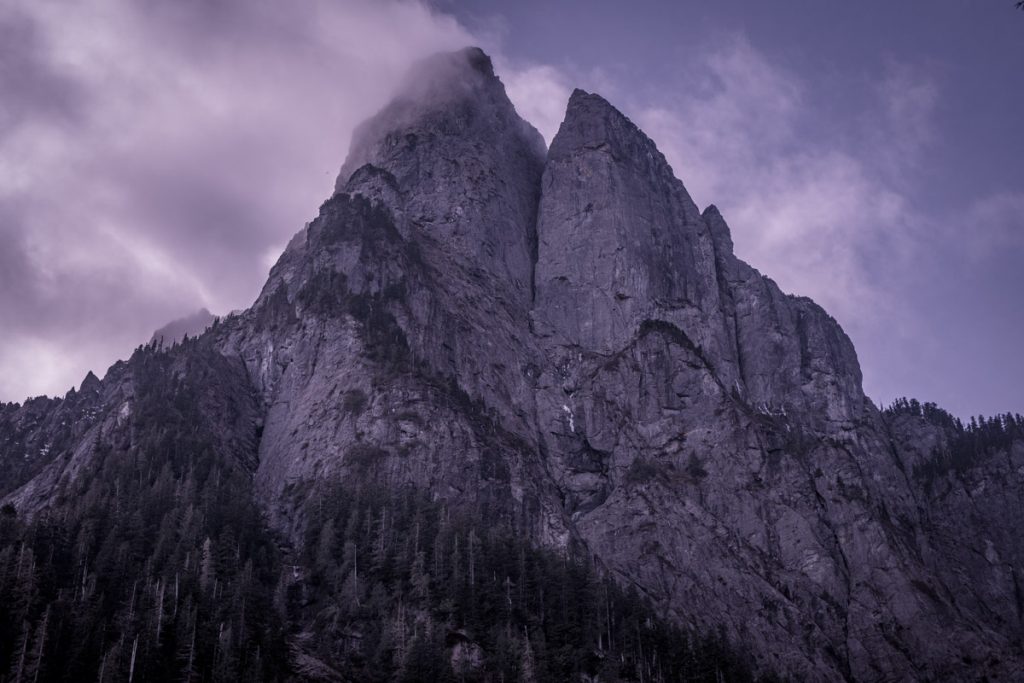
[626,245]
[90,383]
[453,160]
[448,75]
[440,94]
[444,63]
[591,122]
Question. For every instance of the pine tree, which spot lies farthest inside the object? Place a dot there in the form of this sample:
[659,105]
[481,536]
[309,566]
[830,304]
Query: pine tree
[206,570]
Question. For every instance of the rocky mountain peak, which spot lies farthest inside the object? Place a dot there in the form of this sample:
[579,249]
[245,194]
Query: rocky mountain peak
[456,166]
[438,95]
[593,124]
[91,383]
[620,239]
[590,120]
[720,233]
[555,345]
[450,74]
[472,58]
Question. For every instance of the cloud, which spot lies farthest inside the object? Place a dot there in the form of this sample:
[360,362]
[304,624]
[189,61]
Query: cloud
[31,86]
[540,93]
[904,122]
[996,225]
[153,154]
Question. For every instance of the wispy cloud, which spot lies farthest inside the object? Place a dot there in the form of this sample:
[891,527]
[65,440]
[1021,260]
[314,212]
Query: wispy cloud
[994,224]
[540,93]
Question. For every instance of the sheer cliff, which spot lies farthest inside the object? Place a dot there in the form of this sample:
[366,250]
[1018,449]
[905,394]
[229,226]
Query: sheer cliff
[558,342]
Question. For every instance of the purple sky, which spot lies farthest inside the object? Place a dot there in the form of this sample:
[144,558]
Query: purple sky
[156,156]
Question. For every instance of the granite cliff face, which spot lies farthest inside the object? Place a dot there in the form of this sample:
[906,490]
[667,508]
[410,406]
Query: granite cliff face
[560,339]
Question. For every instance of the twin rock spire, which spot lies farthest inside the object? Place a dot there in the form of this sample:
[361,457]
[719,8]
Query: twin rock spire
[590,238]
[598,223]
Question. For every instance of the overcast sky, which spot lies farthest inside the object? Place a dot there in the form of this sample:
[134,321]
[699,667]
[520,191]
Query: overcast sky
[155,156]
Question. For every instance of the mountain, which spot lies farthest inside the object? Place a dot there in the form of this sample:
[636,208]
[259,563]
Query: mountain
[191,325]
[503,411]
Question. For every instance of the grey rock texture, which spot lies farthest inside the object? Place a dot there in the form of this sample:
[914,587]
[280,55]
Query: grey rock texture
[331,344]
[561,339]
[710,435]
[454,162]
[620,240]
